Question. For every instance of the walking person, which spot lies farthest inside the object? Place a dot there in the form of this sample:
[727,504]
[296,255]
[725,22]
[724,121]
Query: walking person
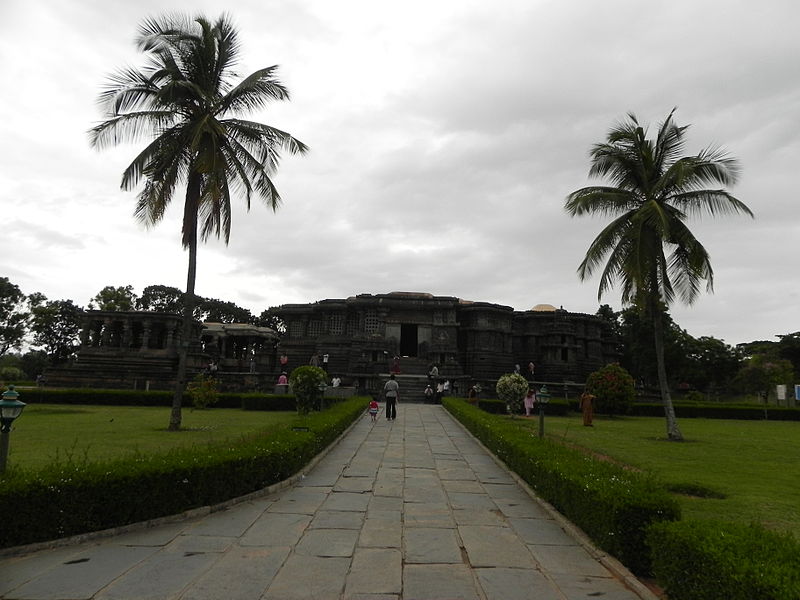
[391,391]
[373,410]
[528,401]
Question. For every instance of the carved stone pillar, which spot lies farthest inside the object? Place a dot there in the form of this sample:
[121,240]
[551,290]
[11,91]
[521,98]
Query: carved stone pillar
[126,333]
[105,336]
[146,334]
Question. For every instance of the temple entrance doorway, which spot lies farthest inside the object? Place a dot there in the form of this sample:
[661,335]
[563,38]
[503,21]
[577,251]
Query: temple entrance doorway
[408,340]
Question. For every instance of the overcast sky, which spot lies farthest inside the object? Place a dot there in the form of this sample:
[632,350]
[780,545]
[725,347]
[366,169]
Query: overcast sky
[445,136]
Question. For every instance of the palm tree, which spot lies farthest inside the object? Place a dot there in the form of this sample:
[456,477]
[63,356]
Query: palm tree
[183,101]
[647,248]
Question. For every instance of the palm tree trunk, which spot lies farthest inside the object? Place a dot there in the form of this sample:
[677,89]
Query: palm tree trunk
[190,241]
[673,431]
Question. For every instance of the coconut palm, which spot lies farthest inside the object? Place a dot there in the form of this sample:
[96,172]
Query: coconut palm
[647,248]
[184,101]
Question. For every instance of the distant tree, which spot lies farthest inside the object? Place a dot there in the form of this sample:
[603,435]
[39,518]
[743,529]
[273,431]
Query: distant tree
[34,362]
[750,349]
[269,319]
[185,97]
[711,364]
[761,373]
[221,311]
[13,316]
[647,248]
[612,318]
[638,351]
[161,298]
[789,348]
[56,325]
[121,298]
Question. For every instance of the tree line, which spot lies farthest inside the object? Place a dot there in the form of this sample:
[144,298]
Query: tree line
[702,365]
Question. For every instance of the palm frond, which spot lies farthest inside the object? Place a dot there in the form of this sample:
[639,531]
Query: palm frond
[255,91]
[129,127]
[600,200]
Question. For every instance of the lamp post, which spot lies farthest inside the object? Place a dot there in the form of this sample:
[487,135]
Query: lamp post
[543,397]
[10,409]
[321,388]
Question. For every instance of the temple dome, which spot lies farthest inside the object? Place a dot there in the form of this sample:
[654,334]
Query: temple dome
[544,308]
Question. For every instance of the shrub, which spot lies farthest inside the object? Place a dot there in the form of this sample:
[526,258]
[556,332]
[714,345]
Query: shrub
[702,560]
[614,389]
[305,382]
[11,374]
[693,396]
[203,391]
[511,389]
[612,505]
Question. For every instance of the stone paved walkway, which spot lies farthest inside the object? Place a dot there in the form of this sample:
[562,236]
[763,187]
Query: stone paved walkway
[412,509]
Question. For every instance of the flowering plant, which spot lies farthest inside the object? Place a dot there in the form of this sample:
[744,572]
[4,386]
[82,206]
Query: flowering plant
[613,387]
[511,389]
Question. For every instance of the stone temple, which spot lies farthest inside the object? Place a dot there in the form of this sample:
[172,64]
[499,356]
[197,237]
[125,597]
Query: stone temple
[360,339]
[362,336]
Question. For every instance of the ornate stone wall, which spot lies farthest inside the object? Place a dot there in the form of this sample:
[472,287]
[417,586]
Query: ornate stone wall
[362,335]
[139,350]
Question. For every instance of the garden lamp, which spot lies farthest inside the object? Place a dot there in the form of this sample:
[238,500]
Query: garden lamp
[10,409]
[543,397]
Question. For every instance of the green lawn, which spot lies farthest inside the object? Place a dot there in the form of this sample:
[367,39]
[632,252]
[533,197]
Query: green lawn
[47,433]
[754,464]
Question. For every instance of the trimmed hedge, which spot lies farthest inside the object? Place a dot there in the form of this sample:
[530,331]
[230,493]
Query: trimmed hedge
[556,406]
[724,561]
[247,401]
[612,505]
[273,402]
[711,410]
[70,499]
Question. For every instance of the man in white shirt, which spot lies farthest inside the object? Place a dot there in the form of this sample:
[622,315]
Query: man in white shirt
[391,390]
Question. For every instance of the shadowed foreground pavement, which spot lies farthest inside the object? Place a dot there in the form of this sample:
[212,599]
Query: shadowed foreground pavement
[412,509]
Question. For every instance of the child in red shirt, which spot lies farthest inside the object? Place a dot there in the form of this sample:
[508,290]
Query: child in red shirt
[373,410]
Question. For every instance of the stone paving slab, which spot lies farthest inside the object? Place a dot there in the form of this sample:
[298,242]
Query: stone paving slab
[306,577]
[495,547]
[568,559]
[242,574]
[431,546]
[328,542]
[232,521]
[276,529]
[375,571]
[381,533]
[542,532]
[162,575]
[337,519]
[438,582]
[412,509]
[83,575]
[302,500]
[516,584]
[17,570]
